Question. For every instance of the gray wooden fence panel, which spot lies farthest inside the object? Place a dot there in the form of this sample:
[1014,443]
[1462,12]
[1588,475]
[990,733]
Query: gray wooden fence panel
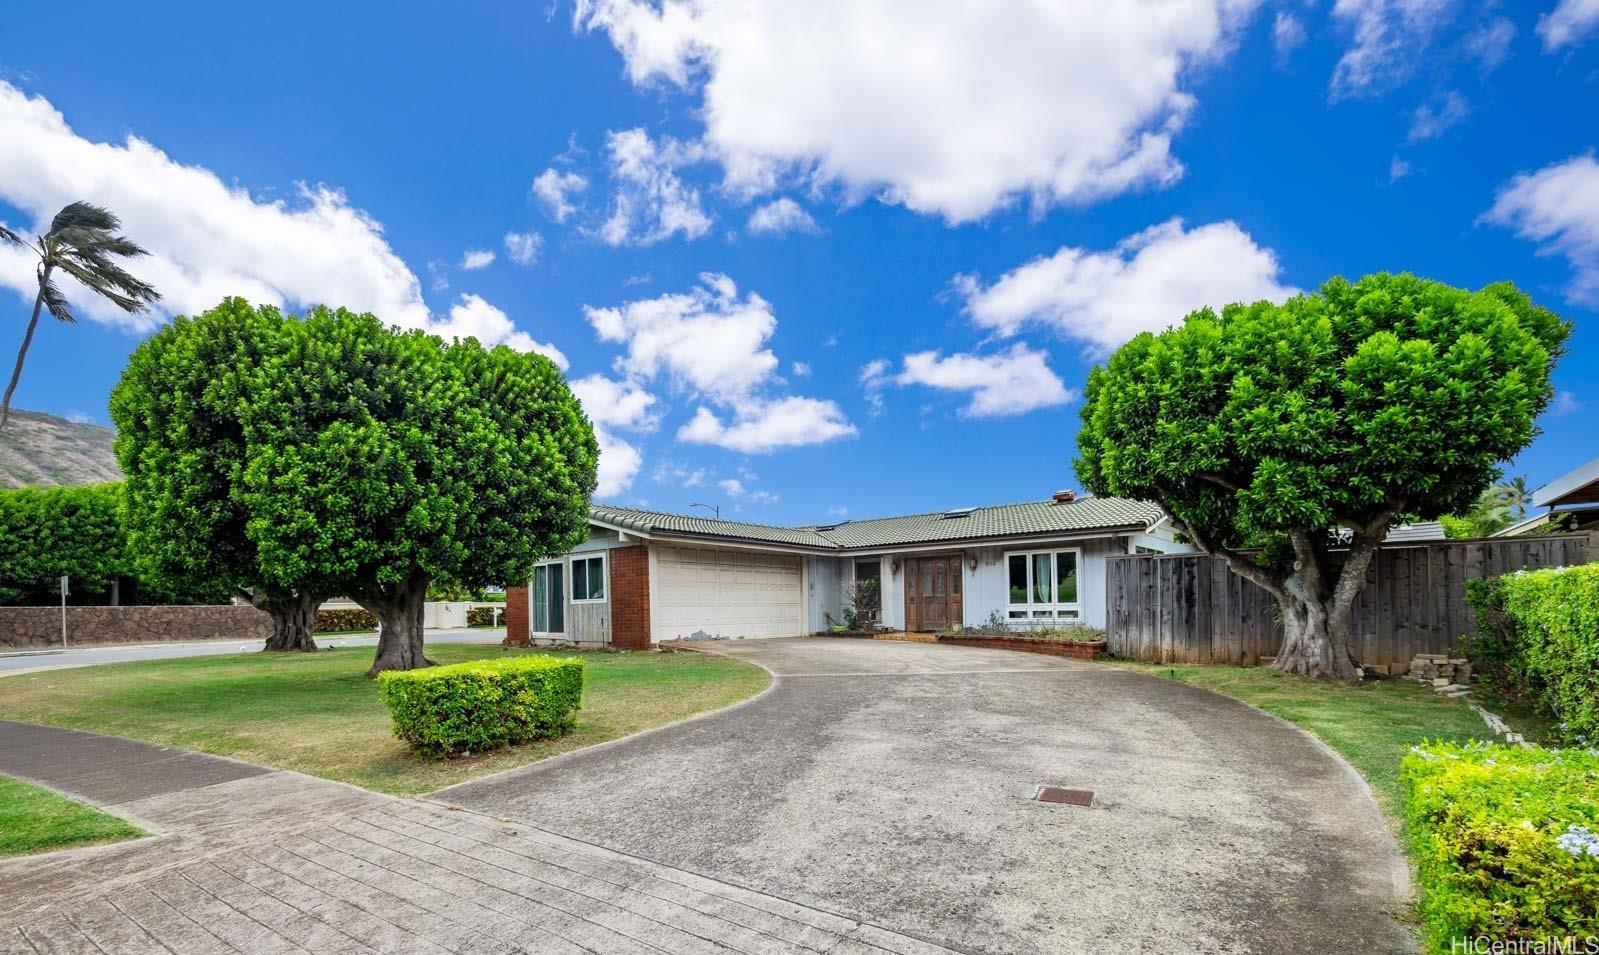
[1189,608]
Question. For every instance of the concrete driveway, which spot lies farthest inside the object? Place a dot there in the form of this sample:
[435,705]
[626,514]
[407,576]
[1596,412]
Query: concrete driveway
[895,783]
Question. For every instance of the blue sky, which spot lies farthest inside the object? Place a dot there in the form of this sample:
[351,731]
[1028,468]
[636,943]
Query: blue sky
[825,259]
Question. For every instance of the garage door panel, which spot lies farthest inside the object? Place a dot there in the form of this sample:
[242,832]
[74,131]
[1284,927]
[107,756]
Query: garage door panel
[730,593]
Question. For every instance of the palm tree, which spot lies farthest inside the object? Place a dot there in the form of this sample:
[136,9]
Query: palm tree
[1513,496]
[82,242]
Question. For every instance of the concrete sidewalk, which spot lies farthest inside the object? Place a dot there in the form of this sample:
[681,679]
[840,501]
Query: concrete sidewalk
[34,660]
[265,861]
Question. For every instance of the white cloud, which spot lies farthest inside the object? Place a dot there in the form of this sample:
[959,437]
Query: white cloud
[208,240]
[474,259]
[780,216]
[873,372]
[1558,206]
[616,404]
[1430,123]
[1489,43]
[671,472]
[801,369]
[650,202]
[1010,383]
[1287,34]
[83,417]
[472,317]
[1390,37]
[708,339]
[1148,281]
[950,110]
[1398,169]
[523,247]
[1569,24]
[762,426]
[612,405]
[712,343]
[1565,403]
[735,489]
[555,190]
[837,510]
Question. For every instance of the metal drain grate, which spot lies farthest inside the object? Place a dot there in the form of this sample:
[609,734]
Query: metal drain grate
[1069,797]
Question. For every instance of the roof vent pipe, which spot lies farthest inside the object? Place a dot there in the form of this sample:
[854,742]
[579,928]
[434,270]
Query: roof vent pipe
[1064,497]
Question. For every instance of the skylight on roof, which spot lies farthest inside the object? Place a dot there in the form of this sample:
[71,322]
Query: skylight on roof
[958,512]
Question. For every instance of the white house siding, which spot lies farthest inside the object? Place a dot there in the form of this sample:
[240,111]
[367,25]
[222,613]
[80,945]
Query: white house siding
[586,624]
[824,593]
[725,592]
[988,587]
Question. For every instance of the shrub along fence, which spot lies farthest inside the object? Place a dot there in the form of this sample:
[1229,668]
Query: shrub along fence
[1190,608]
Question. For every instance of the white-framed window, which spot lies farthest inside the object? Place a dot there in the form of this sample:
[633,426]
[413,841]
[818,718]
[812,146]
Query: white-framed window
[547,599]
[1043,586]
[588,579]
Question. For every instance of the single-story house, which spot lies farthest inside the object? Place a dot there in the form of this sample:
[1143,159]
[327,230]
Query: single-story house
[647,576]
[1573,497]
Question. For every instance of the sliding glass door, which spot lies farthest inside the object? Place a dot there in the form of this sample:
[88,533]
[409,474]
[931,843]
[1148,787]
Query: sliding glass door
[548,599]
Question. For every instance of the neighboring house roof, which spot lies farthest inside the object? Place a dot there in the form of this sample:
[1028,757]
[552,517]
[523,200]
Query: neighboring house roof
[1419,531]
[1522,526]
[1031,519]
[1579,487]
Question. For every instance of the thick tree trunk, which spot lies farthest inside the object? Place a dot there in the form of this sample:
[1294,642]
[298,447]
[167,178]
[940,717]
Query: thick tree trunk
[399,611]
[1316,639]
[293,622]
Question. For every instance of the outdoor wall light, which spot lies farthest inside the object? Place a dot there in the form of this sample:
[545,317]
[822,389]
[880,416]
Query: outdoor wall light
[974,562]
[893,565]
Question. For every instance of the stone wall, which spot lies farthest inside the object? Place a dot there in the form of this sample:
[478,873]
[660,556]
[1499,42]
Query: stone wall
[25,627]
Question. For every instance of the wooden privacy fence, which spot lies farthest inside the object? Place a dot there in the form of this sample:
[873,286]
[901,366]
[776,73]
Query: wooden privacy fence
[1189,608]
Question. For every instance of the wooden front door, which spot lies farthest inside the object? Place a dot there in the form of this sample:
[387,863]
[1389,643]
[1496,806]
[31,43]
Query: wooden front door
[933,592]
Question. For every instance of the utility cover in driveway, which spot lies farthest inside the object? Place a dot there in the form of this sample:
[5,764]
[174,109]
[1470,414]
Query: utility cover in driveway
[1069,797]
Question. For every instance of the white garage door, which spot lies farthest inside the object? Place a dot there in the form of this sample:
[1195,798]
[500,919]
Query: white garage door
[729,593]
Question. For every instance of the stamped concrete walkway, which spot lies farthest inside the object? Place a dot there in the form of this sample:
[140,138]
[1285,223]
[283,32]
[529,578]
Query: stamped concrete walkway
[895,782]
[247,860]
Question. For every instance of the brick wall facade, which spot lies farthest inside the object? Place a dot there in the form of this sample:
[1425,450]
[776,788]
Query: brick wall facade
[516,610]
[630,598]
[41,626]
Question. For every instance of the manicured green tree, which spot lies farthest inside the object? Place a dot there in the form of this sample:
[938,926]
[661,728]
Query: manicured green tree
[1312,426]
[337,455]
[82,242]
[182,413]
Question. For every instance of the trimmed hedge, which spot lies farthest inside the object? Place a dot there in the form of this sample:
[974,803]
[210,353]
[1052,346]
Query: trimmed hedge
[485,616]
[1506,841]
[344,618]
[1538,635]
[486,704]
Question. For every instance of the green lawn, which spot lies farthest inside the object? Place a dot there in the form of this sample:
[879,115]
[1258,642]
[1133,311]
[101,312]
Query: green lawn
[38,820]
[1373,725]
[318,713]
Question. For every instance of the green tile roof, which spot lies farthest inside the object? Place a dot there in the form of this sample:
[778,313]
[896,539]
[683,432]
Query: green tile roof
[1006,520]
[649,522]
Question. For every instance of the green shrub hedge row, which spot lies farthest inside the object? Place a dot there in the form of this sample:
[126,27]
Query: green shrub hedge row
[485,616]
[344,618]
[483,705]
[1506,842]
[1538,638]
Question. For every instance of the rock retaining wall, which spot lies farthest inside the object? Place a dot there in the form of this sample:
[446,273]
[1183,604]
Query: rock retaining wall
[30,627]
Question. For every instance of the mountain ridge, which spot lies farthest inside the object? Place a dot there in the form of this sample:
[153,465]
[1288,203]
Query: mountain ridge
[42,450]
